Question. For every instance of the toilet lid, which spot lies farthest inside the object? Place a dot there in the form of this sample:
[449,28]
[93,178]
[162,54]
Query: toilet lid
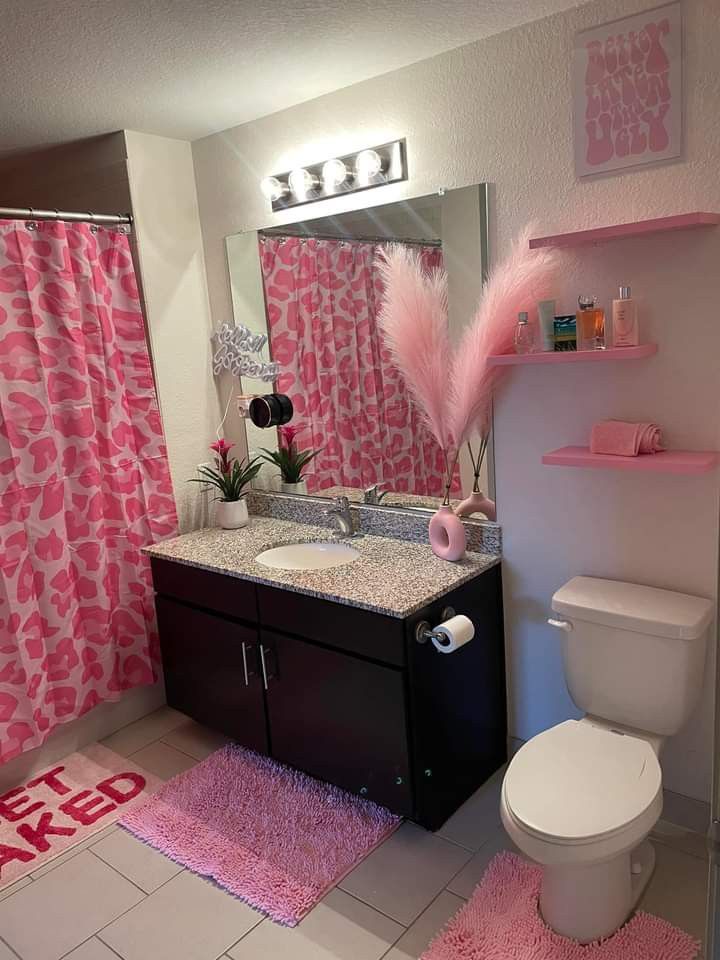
[578,782]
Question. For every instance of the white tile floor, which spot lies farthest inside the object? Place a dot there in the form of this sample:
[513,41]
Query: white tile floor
[115,897]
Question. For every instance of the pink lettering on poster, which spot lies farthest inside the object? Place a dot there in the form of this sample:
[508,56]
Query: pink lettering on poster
[627,78]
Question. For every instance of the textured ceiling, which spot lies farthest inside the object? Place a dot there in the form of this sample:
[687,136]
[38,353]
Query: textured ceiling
[187,68]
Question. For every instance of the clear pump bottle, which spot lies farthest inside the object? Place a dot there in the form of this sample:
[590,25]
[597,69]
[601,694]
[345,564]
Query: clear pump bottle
[524,338]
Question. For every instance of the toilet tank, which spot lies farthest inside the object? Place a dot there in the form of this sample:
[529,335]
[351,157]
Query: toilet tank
[633,655]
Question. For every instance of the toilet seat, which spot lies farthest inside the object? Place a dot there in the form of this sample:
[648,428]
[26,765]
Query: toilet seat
[579,784]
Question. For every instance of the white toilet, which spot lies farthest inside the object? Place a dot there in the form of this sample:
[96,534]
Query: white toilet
[581,798]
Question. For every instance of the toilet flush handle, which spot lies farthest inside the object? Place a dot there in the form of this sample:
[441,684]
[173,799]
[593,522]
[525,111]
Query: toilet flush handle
[561,624]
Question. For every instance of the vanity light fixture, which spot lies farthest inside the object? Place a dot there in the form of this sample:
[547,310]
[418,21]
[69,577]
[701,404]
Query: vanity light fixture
[368,164]
[302,182]
[355,171]
[273,189]
[334,174]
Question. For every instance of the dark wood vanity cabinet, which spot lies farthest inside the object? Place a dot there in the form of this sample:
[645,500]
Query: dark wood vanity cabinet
[340,718]
[345,694]
[212,672]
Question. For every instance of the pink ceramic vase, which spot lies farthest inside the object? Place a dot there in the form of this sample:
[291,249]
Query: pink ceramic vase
[447,534]
[477,502]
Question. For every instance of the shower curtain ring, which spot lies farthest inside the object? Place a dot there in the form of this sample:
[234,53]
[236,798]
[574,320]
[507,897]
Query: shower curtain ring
[31,225]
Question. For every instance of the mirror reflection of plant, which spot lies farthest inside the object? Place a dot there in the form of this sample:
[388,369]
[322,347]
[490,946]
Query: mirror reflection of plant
[290,461]
[230,476]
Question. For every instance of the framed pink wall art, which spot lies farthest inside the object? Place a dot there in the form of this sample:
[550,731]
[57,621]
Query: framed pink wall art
[627,91]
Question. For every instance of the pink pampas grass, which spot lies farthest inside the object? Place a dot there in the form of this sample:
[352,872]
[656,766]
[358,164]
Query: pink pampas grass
[517,283]
[414,322]
[454,389]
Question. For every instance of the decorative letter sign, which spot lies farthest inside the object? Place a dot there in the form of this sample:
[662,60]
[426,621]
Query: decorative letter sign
[627,91]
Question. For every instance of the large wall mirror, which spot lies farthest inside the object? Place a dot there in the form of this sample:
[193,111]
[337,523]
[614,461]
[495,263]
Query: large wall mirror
[313,289]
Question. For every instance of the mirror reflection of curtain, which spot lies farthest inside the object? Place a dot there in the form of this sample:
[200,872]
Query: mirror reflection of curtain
[322,299]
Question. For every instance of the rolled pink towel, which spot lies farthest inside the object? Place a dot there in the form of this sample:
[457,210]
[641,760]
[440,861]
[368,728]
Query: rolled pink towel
[623,439]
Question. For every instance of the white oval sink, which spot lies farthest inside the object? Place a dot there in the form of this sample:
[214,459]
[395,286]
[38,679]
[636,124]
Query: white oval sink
[308,556]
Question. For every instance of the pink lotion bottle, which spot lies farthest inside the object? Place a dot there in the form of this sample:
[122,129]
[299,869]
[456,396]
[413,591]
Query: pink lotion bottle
[625,329]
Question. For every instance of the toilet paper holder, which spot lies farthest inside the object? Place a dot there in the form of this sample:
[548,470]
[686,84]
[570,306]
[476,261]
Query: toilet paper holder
[424,632]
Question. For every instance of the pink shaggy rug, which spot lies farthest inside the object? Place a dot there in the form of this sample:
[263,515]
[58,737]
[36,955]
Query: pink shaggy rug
[501,922]
[272,836]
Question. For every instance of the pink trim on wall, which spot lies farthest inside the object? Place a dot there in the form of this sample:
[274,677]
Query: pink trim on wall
[668,461]
[575,356]
[620,231]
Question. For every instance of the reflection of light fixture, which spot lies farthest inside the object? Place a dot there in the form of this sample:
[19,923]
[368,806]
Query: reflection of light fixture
[302,182]
[273,189]
[334,174]
[339,175]
[368,164]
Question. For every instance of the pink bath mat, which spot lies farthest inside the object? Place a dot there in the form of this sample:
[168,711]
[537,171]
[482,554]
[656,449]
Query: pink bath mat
[64,804]
[272,836]
[501,922]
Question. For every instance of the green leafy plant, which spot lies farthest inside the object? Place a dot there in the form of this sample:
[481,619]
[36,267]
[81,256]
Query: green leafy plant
[230,476]
[288,458]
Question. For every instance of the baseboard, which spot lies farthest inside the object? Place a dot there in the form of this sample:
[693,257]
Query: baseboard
[686,812]
[99,723]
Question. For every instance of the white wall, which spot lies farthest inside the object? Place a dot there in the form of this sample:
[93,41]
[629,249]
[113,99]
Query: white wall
[499,111]
[169,243]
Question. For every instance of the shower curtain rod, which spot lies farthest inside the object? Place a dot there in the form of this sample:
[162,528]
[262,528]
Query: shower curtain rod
[328,236]
[32,213]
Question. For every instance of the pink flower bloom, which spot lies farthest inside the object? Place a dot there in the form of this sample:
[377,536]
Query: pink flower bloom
[222,449]
[221,446]
[288,434]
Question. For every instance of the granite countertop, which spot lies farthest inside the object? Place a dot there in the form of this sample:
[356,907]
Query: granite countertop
[392,577]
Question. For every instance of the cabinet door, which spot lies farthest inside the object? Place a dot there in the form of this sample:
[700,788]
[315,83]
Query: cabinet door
[340,718]
[211,672]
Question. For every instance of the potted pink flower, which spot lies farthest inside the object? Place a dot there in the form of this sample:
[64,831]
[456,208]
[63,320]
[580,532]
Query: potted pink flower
[229,476]
[291,461]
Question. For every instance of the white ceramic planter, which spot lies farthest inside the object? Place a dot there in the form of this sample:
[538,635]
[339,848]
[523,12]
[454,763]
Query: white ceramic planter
[294,487]
[232,514]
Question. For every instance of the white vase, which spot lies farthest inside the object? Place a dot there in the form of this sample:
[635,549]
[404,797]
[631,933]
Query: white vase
[232,514]
[300,487]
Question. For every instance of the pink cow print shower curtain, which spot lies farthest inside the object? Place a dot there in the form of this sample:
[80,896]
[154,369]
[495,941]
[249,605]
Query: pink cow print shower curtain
[350,402]
[84,479]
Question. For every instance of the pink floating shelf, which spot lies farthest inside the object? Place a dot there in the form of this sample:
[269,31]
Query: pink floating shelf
[681,221]
[668,461]
[575,356]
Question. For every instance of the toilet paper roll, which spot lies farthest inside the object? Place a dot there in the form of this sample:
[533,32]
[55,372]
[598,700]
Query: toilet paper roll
[453,634]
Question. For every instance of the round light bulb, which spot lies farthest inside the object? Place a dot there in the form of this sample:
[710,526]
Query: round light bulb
[368,164]
[302,181]
[273,189]
[334,174]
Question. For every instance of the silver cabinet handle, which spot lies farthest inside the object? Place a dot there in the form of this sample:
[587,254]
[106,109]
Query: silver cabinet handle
[264,668]
[561,624]
[245,669]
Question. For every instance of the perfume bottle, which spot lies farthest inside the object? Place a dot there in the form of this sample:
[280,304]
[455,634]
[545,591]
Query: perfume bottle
[591,321]
[625,329]
[524,338]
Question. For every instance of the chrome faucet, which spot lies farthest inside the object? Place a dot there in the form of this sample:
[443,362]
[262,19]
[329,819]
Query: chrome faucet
[340,512]
[373,495]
